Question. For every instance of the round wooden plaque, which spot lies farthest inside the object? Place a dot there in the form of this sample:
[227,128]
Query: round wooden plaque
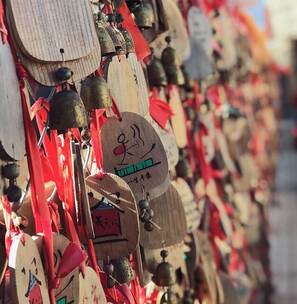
[133,151]
[122,84]
[142,87]
[114,215]
[178,120]
[12,137]
[68,292]
[170,217]
[90,288]
[168,140]
[27,279]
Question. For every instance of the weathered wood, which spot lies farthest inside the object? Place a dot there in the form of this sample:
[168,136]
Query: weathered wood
[133,150]
[115,217]
[122,84]
[142,86]
[27,279]
[170,217]
[51,34]
[12,137]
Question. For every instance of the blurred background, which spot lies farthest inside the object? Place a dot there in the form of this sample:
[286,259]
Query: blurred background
[278,20]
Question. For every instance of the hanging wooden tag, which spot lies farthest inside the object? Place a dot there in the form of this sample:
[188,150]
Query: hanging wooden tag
[168,140]
[133,151]
[142,87]
[90,288]
[114,214]
[44,46]
[177,32]
[178,120]
[27,280]
[12,137]
[68,291]
[122,84]
[193,215]
[170,217]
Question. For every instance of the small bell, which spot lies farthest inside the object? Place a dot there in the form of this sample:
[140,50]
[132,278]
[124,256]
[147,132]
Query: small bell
[144,15]
[164,275]
[174,75]
[130,47]
[67,111]
[106,43]
[95,93]
[172,64]
[123,272]
[183,168]
[169,297]
[116,36]
[169,56]
[156,73]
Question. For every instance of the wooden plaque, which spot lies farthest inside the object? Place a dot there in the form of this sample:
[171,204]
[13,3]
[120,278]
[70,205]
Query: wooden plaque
[178,119]
[68,291]
[133,151]
[168,140]
[122,84]
[170,216]
[114,214]
[177,32]
[12,137]
[27,280]
[43,29]
[193,215]
[90,288]
[142,86]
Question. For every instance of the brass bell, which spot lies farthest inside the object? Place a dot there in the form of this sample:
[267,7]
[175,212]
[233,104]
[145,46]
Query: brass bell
[171,65]
[183,168]
[130,47]
[174,75]
[123,272]
[144,15]
[169,297]
[116,36]
[156,73]
[106,43]
[67,111]
[95,93]
[164,275]
[169,56]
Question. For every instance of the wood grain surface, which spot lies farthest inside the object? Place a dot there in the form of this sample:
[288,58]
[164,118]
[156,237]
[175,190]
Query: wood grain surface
[122,84]
[193,215]
[27,280]
[141,83]
[133,150]
[168,140]
[116,228]
[178,120]
[90,288]
[41,52]
[170,216]
[12,137]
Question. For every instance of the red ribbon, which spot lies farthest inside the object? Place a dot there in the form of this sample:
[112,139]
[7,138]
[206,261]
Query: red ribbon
[3,29]
[141,46]
[160,110]
[39,206]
